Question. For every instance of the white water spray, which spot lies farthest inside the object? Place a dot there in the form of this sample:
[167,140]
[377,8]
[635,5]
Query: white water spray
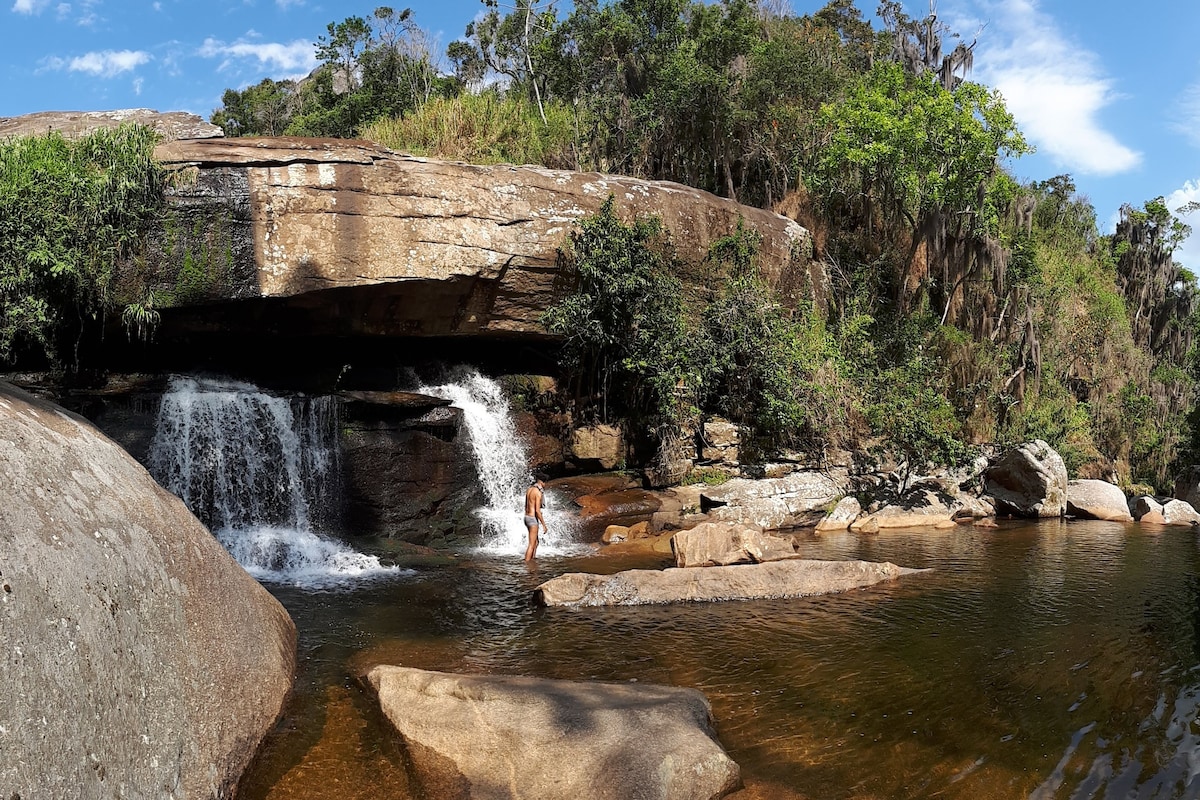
[259,470]
[503,466]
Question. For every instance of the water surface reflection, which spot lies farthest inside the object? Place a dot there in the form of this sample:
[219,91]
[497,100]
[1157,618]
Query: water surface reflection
[1052,660]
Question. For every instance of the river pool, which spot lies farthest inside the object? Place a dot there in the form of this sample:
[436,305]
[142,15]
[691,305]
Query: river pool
[1047,660]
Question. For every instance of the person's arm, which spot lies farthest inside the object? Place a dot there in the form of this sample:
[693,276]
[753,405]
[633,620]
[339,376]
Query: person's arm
[538,509]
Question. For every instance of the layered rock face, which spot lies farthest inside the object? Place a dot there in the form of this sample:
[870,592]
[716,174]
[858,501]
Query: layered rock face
[139,659]
[407,246]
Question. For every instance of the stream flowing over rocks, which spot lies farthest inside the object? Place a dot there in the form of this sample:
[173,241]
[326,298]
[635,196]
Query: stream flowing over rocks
[139,659]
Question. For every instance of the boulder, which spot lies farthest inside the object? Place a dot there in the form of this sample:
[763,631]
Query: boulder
[1187,487]
[599,445]
[791,578]
[1092,499]
[721,543]
[1143,505]
[1152,518]
[1028,481]
[139,658]
[923,506]
[789,501]
[842,515]
[1179,512]
[498,737]
[614,534]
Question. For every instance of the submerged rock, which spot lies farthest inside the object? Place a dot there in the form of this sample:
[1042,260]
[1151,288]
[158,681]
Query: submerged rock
[495,737]
[720,544]
[793,578]
[1092,499]
[140,659]
[1028,481]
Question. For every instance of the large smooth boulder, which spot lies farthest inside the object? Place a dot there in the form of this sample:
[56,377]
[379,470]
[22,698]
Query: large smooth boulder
[722,543]
[1028,481]
[794,578]
[793,500]
[1143,505]
[1092,499]
[139,660]
[922,506]
[1180,512]
[497,737]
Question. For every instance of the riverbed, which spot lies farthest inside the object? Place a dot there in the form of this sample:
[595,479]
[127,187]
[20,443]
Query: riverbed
[1042,660]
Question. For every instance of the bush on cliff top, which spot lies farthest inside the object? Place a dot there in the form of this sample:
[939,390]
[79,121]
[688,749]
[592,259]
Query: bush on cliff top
[69,211]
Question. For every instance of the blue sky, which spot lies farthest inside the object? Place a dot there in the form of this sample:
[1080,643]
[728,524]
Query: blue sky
[1107,91]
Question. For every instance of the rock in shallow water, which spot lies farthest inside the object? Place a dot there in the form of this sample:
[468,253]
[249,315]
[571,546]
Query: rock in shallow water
[500,737]
[795,578]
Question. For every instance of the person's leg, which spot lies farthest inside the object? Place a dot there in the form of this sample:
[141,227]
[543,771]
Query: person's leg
[533,542]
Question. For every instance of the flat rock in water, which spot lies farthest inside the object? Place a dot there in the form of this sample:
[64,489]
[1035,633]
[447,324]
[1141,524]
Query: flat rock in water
[500,737]
[793,578]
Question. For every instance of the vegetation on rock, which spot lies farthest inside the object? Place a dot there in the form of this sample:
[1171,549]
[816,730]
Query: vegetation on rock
[69,212]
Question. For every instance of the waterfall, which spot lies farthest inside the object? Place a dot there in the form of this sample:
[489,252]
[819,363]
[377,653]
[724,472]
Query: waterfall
[503,467]
[260,471]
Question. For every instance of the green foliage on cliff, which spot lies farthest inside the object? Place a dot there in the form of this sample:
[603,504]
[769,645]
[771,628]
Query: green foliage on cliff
[964,307]
[486,128]
[69,212]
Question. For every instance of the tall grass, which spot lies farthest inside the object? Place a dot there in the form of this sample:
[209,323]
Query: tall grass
[69,211]
[482,129]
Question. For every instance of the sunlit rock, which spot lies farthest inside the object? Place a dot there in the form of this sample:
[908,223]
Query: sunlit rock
[842,515]
[500,737]
[722,543]
[139,659]
[1028,481]
[1092,499]
[794,578]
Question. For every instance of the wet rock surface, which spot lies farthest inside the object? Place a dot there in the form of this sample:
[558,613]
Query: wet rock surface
[499,737]
[720,544]
[141,660]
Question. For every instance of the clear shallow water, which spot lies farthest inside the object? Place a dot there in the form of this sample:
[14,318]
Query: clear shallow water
[1046,661]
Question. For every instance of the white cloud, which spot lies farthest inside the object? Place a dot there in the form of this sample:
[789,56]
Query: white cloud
[137,85]
[1188,253]
[1186,114]
[104,63]
[286,4]
[1054,88]
[29,6]
[297,56]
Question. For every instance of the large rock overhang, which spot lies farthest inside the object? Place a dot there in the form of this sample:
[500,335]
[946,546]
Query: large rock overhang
[344,238]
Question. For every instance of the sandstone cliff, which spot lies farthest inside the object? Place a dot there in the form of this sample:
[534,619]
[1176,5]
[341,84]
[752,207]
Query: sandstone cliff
[407,246]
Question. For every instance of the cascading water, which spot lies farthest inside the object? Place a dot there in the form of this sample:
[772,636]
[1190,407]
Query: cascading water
[259,470]
[503,467]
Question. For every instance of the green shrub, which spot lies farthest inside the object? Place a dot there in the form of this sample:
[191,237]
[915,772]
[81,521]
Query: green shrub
[482,129]
[69,212]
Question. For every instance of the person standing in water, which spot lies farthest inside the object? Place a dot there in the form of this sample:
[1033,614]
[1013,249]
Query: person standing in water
[533,513]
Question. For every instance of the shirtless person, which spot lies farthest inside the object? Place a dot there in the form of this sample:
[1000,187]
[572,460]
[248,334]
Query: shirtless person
[533,513]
